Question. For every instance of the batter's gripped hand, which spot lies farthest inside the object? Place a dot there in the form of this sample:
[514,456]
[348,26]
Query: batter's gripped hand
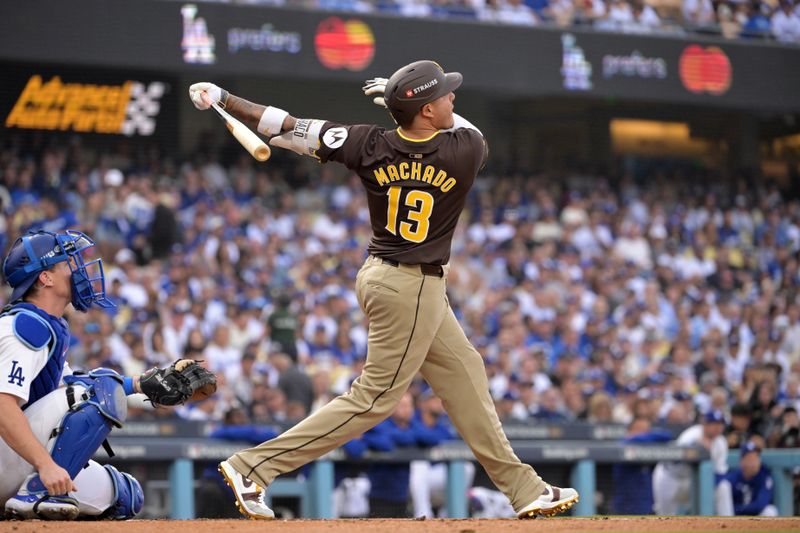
[184,380]
[196,91]
[376,86]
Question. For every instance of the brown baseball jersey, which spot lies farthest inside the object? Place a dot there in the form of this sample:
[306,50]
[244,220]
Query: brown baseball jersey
[416,189]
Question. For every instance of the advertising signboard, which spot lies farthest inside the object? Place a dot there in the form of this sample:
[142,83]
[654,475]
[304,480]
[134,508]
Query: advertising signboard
[213,39]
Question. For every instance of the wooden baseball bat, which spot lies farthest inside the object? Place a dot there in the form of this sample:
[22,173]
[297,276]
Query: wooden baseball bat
[251,142]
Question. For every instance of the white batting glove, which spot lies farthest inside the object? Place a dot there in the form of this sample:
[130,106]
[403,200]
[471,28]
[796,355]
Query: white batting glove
[376,86]
[196,91]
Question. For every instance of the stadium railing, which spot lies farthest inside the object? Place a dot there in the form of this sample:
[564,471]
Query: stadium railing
[580,447]
[314,491]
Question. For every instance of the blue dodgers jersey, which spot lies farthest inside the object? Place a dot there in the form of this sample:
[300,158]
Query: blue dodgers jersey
[751,496]
[48,379]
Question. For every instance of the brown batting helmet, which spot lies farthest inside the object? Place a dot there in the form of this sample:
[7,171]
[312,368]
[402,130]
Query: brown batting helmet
[416,84]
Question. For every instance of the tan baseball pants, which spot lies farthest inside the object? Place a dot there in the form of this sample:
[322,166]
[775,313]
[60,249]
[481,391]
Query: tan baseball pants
[411,329]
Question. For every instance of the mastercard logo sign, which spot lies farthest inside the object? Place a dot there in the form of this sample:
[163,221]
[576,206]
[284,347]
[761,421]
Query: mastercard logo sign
[344,44]
[705,70]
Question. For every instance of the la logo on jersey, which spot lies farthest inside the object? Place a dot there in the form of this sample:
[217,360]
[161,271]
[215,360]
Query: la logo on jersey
[16,374]
[334,137]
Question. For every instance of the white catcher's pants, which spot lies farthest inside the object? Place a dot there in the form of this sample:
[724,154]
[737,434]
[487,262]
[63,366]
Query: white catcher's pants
[95,491]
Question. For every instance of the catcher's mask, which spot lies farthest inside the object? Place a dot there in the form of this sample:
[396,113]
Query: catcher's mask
[36,252]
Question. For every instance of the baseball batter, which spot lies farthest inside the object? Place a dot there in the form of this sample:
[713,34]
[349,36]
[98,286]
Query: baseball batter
[417,178]
[54,421]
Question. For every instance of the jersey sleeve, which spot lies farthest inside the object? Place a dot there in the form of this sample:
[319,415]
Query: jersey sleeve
[480,147]
[690,436]
[19,364]
[719,455]
[468,147]
[348,145]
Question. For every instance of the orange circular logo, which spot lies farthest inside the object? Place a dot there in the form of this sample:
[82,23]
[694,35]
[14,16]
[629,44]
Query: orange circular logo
[705,70]
[344,44]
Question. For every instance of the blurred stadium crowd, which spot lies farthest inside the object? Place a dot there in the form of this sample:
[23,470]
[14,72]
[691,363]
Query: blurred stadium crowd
[590,299]
[747,19]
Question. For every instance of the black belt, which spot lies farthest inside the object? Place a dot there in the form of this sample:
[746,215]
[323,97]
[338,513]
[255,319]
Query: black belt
[426,269]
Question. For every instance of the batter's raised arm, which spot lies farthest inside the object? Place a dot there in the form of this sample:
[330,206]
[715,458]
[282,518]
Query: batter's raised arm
[267,120]
[320,139]
[302,135]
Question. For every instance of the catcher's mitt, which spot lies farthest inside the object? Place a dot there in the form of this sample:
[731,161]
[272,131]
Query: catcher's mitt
[182,381]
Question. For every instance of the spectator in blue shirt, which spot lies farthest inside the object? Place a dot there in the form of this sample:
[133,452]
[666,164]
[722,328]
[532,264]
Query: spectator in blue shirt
[550,406]
[55,217]
[633,482]
[752,484]
[388,496]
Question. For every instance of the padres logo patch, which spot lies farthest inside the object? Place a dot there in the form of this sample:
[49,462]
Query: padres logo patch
[334,137]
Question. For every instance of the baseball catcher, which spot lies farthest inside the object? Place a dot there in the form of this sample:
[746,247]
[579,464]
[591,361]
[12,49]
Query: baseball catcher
[53,420]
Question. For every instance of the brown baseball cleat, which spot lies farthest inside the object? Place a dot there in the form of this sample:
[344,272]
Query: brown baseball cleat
[552,501]
[249,494]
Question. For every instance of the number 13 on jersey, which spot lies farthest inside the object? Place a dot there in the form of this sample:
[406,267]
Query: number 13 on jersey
[420,204]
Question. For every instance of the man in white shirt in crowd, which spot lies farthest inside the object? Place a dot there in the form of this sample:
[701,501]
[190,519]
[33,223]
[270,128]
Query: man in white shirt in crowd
[786,23]
[672,481]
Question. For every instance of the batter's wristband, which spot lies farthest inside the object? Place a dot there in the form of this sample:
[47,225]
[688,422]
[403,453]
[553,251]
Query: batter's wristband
[271,122]
[223,98]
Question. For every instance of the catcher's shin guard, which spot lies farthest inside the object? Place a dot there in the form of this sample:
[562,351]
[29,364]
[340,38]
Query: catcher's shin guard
[128,496]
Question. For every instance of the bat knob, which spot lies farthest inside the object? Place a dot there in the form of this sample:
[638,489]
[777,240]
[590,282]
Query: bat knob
[262,153]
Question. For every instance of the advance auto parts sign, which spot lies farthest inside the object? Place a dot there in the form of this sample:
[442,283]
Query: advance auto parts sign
[129,108]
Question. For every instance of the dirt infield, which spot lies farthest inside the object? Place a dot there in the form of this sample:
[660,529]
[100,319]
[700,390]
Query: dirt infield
[548,525]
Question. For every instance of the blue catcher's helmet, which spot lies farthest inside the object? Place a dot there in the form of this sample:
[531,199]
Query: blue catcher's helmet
[38,251]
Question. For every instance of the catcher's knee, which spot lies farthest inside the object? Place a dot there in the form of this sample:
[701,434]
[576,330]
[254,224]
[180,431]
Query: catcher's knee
[128,496]
[96,404]
[104,392]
